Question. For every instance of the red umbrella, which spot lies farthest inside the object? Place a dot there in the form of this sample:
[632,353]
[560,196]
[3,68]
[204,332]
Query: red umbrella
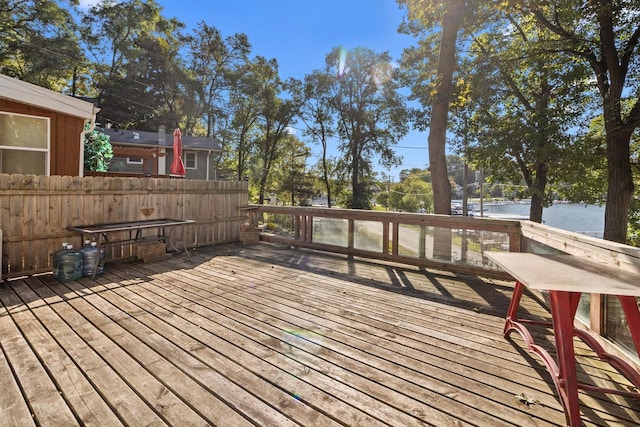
[177,167]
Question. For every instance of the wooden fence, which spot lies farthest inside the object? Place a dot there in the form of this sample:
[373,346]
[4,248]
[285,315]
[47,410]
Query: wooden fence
[36,211]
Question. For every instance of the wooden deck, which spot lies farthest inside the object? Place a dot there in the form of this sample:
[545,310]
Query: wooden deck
[267,335]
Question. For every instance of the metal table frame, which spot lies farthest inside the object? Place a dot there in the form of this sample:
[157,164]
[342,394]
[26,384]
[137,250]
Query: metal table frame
[566,277]
[100,232]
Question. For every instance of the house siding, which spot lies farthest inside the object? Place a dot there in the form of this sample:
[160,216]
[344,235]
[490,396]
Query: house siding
[201,163]
[64,154]
[120,164]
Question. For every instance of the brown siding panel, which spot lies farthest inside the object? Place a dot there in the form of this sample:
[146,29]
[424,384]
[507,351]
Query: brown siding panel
[65,137]
[65,151]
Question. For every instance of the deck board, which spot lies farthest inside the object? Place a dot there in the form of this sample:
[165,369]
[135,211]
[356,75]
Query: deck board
[267,335]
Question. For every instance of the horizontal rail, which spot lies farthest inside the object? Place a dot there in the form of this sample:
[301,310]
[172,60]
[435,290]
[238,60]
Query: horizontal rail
[426,241]
[452,243]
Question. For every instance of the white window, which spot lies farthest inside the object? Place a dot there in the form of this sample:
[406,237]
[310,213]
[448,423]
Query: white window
[24,144]
[190,160]
[134,160]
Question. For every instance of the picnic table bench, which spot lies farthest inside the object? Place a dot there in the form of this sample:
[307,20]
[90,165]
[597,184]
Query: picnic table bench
[566,277]
[100,232]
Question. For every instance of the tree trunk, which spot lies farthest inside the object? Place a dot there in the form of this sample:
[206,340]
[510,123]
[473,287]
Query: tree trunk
[620,184]
[447,61]
[325,177]
[618,130]
[440,107]
[537,195]
[357,195]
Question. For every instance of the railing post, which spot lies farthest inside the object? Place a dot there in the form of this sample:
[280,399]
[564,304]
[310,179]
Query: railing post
[422,235]
[515,242]
[596,313]
[303,228]
[396,238]
[296,227]
[350,237]
[309,234]
[385,237]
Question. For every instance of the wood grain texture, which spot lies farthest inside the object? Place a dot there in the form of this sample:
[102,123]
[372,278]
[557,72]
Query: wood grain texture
[268,335]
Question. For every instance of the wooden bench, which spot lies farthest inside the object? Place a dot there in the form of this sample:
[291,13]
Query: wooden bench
[162,227]
[566,277]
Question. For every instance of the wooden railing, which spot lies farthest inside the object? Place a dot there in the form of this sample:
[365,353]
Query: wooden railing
[429,241]
[452,243]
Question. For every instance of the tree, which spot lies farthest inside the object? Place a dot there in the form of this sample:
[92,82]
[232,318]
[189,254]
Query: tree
[371,114]
[241,132]
[291,174]
[214,65]
[527,105]
[137,71]
[38,43]
[317,114]
[159,65]
[422,16]
[412,194]
[436,90]
[278,104]
[605,35]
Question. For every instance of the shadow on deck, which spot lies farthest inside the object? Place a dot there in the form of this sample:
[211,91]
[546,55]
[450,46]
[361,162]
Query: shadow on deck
[267,335]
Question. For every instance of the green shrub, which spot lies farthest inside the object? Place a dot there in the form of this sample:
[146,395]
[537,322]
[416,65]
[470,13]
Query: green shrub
[97,150]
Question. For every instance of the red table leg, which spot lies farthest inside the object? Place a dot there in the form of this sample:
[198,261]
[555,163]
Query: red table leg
[563,310]
[563,370]
[510,324]
[632,314]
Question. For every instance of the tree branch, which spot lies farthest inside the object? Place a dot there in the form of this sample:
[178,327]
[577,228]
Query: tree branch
[630,48]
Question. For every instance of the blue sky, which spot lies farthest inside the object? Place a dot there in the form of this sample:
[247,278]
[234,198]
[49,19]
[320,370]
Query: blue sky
[300,33]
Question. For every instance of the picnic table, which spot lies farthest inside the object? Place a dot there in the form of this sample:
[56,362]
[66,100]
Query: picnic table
[566,277]
[100,232]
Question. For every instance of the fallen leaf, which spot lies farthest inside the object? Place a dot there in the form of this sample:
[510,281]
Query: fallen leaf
[523,398]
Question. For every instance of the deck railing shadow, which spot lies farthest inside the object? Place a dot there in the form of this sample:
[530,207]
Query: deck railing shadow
[37,211]
[432,285]
[454,244]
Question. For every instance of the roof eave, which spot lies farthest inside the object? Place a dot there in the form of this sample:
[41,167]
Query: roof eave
[37,96]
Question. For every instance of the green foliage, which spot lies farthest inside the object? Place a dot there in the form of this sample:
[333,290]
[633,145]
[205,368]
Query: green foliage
[361,197]
[633,229]
[97,150]
[294,185]
[38,43]
[522,109]
[602,36]
[526,86]
[214,66]
[138,76]
[412,194]
[584,173]
[370,114]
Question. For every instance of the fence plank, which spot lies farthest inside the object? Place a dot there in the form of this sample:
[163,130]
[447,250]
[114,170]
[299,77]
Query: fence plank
[36,211]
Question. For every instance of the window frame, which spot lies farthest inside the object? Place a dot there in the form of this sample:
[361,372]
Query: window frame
[46,151]
[195,160]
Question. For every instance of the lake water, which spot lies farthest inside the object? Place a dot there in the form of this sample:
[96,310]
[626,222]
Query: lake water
[578,217]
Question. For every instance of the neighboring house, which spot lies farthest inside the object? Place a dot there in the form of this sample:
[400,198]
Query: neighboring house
[41,131]
[151,153]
